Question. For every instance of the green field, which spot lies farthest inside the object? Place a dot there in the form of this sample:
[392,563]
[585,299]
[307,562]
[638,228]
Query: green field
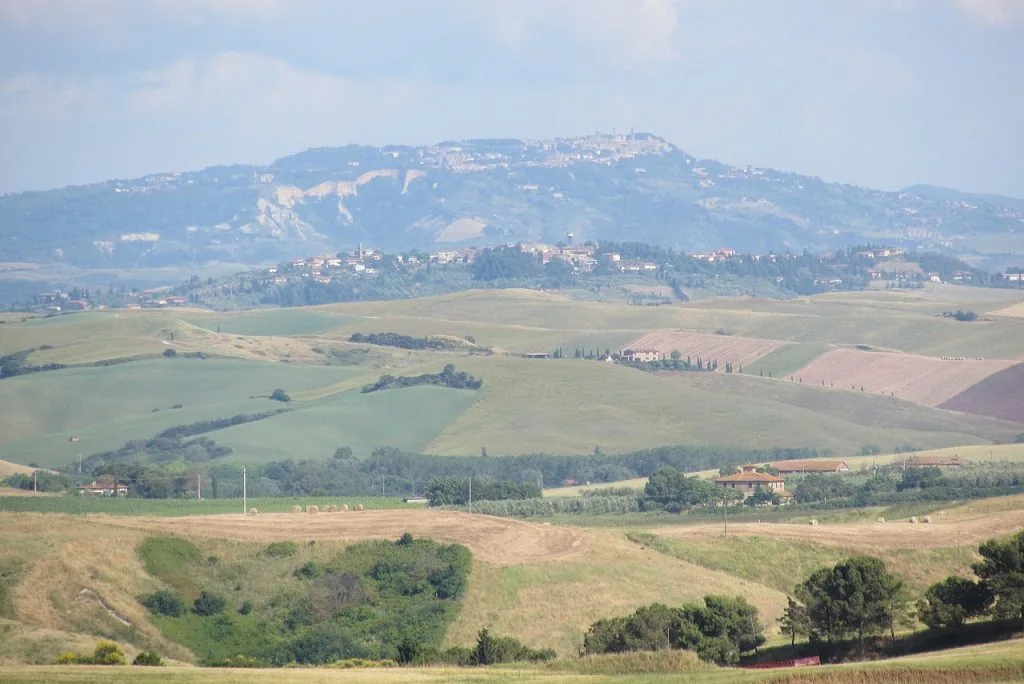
[560,406]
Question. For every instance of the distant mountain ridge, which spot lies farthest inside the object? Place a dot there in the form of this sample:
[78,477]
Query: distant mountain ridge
[477,192]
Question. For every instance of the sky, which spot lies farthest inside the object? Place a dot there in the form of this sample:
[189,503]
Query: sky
[880,93]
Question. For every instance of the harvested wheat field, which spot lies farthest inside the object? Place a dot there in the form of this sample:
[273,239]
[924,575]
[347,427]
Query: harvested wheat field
[492,539]
[7,469]
[921,379]
[1014,311]
[944,531]
[999,396]
[737,350]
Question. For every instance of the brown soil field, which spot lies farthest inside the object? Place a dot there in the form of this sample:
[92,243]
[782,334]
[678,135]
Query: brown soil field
[737,350]
[921,379]
[999,396]
[943,532]
[495,540]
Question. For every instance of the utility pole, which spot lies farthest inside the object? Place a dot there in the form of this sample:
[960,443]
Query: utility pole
[79,464]
[725,512]
[382,485]
[35,478]
[245,492]
[199,486]
[470,493]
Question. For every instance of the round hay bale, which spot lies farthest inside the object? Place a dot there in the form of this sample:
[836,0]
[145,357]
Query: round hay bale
[253,511]
[881,520]
[331,509]
[312,509]
[913,520]
[359,507]
[296,509]
[343,508]
[926,519]
[814,523]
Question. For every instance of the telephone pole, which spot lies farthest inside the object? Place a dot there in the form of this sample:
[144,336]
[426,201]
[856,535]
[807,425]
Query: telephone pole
[35,480]
[470,493]
[245,492]
[199,486]
[725,512]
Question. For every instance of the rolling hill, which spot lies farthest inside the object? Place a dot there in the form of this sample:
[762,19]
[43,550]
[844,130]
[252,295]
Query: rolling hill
[600,187]
[118,385]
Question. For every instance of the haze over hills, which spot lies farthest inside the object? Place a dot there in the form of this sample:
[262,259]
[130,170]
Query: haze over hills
[600,187]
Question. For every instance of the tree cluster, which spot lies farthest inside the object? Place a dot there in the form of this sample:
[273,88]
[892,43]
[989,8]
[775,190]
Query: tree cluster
[455,491]
[718,631]
[390,339]
[448,377]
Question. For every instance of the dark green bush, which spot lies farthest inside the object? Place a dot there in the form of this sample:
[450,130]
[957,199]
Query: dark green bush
[164,602]
[209,604]
[281,549]
[309,570]
[148,659]
[246,608]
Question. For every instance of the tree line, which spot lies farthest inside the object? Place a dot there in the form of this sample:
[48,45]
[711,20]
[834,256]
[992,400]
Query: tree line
[448,377]
[851,604]
[390,339]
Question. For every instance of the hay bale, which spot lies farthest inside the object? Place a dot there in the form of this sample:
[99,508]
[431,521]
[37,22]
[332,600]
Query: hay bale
[312,509]
[881,520]
[359,507]
[296,509]
[331,509]
[926,519]
[814,523]
[343,508]
[913,520]
[253,511]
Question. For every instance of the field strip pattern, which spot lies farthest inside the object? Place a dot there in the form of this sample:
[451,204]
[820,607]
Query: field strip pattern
[502,541]
[894,534]
[921,379]
[722,348]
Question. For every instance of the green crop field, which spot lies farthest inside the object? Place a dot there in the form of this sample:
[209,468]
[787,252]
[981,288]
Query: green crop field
[564,406]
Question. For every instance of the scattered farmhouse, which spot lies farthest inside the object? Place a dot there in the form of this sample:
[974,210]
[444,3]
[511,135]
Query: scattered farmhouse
[104,486]
[935,462]
[641,355]
[750,481]
[809,466]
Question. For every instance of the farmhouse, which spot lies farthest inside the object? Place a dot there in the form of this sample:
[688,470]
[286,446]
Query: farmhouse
[809,466]
[104,486]
[644,355]
[749,481]
[935,462]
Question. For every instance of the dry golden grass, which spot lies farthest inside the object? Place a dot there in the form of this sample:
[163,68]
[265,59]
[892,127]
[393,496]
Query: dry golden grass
[82,577]
[945,531]
[552,604]
[1014,311]
[7,469]
[501,541]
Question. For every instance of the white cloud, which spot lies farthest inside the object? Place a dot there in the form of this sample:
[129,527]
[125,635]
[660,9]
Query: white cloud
[993,12]
[635,30]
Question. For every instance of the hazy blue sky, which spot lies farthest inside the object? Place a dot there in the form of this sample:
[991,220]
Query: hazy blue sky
[876,92]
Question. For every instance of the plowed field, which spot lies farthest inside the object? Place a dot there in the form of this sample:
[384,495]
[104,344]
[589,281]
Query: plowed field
[922,379]
[999,396]
[722,348]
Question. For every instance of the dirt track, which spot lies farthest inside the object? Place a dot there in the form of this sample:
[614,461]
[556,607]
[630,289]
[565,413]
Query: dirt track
[895,534]
[503,541]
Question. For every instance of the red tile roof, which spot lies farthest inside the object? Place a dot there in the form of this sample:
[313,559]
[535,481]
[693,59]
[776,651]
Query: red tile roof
[750,477]
[809,466]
